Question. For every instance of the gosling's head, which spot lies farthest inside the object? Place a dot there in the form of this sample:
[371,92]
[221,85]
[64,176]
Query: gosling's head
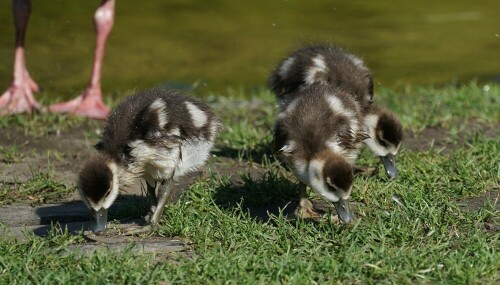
[331,176]
[98,187]
[386,134]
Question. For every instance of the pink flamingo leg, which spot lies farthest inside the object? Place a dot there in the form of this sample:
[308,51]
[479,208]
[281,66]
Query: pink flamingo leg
[19,97]
[90,103]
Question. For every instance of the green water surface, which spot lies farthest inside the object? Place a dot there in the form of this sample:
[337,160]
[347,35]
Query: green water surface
[213,44]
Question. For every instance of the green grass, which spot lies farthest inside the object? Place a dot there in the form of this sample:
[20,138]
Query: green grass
[41,188]
[450,107]
[41,124]
[10,154]
[248,124]
[411,230]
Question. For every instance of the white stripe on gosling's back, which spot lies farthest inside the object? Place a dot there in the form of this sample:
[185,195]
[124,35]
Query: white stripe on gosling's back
[335,104]
[356,61]
[285,67]
[160,108]
[338,107]
[198,117]
[319,66]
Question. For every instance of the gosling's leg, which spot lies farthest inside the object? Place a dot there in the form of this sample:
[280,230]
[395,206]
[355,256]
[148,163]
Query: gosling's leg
[164,192]
[305,209]
[153,201]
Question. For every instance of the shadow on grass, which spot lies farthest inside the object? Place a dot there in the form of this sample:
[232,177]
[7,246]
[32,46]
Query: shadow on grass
[75,216]
[270,195]
[254,154]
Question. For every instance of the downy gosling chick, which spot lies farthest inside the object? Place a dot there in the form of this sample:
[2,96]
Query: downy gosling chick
[318,135]
[333,66]
[158,135]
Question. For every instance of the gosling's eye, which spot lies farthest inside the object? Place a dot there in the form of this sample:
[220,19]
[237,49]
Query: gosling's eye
[381,140]
[330,186]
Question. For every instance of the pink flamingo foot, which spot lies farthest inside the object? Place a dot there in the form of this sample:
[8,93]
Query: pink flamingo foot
[19,97]
[88,104]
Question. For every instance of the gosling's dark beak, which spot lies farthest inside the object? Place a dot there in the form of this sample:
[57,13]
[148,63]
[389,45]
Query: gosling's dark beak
[101,218]
[344,210]
[389,162]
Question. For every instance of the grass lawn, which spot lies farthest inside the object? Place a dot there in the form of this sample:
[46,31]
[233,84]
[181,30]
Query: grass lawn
[436,223]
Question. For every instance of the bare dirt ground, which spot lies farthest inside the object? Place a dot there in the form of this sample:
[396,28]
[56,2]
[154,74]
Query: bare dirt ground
[62,154]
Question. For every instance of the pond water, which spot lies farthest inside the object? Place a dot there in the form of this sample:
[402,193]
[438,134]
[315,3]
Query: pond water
[219,43]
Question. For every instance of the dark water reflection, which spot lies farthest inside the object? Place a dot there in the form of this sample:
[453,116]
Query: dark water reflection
[220,43]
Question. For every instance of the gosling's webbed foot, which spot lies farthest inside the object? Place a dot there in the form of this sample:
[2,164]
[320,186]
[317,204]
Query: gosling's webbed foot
[364,170]
[305,210]
[119,233]
[140,230]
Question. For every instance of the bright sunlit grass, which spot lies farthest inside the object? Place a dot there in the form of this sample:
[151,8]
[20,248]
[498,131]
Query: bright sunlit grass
[411,230]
